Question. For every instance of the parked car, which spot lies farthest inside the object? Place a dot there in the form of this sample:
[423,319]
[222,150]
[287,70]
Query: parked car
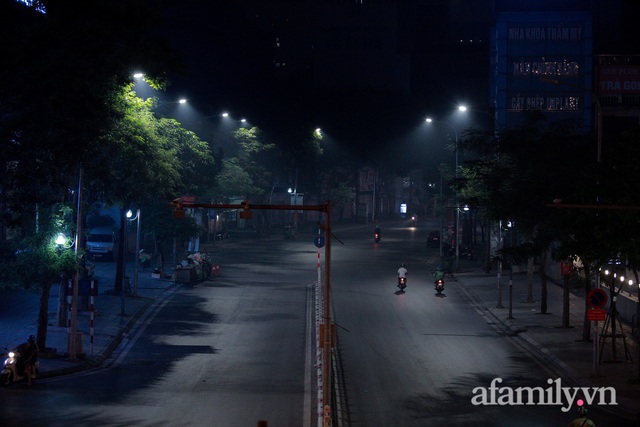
[433,241]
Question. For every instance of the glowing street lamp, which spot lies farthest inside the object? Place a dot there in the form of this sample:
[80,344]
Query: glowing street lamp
[137,257]
[457,235]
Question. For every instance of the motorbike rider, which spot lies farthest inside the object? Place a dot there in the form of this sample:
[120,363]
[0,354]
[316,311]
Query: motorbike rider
[402,271]
[377,231]
[26,363]
[439,274]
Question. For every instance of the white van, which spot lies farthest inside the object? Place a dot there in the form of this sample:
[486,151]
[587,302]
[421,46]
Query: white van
[102,243]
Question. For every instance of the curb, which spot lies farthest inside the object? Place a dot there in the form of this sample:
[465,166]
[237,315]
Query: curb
[533,347]
[99,359]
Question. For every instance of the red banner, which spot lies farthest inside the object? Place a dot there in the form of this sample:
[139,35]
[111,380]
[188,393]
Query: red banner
[619,79]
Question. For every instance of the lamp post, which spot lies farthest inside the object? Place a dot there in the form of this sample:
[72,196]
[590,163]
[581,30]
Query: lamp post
[463,109]
[457,225]
[123,259]
[62,311]
[137,257]
[72,344]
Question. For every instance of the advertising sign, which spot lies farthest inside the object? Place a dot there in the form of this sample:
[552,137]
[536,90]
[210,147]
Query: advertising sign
[543,63]
[619,79]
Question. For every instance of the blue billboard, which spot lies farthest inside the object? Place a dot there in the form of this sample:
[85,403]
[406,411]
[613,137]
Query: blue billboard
[543,62]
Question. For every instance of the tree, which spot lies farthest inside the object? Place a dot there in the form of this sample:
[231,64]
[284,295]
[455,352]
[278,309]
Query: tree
[517,173]
[38,262]
[337,186]
[65,103]
[595,235]
[245,175]
[70,65]
[145,159]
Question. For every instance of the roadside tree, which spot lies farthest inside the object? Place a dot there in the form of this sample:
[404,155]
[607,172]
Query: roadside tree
[37,262]
[64,69]
[516,173]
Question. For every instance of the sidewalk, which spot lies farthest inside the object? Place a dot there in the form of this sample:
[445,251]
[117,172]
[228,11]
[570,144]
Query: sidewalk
[19,310]
[561,349]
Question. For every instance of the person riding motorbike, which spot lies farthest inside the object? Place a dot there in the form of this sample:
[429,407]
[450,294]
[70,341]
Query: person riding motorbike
[402,271]
[402,277]
[439,274]
[377,232]
[26,363]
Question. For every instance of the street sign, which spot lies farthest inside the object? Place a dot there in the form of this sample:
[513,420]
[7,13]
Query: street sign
[319,241]
[596,314]
[597,298]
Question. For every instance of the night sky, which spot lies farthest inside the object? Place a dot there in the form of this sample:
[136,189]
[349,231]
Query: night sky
[367,74]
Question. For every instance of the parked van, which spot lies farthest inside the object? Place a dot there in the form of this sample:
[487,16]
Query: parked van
[102,243]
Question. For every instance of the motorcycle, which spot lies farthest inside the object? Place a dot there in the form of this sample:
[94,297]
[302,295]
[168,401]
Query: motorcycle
[10,372]
[439,286]
[376,237]
[413,221]
[402,283]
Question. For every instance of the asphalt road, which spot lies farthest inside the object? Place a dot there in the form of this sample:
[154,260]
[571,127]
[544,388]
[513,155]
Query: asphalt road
[418,359]
[239,349]
[228,352]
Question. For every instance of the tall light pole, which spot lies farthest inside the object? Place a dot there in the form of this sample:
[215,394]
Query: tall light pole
[137,258]
[463,109]
[457,227]
[123,260]
[72,344]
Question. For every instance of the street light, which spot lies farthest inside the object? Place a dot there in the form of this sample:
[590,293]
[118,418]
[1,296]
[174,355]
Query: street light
[463,109]
[137,258]
[72,344]
[457,234]
[294,192]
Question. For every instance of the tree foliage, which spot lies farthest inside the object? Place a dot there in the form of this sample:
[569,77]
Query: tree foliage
[65,104]
[62,75]
[248,174]
[517,173]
